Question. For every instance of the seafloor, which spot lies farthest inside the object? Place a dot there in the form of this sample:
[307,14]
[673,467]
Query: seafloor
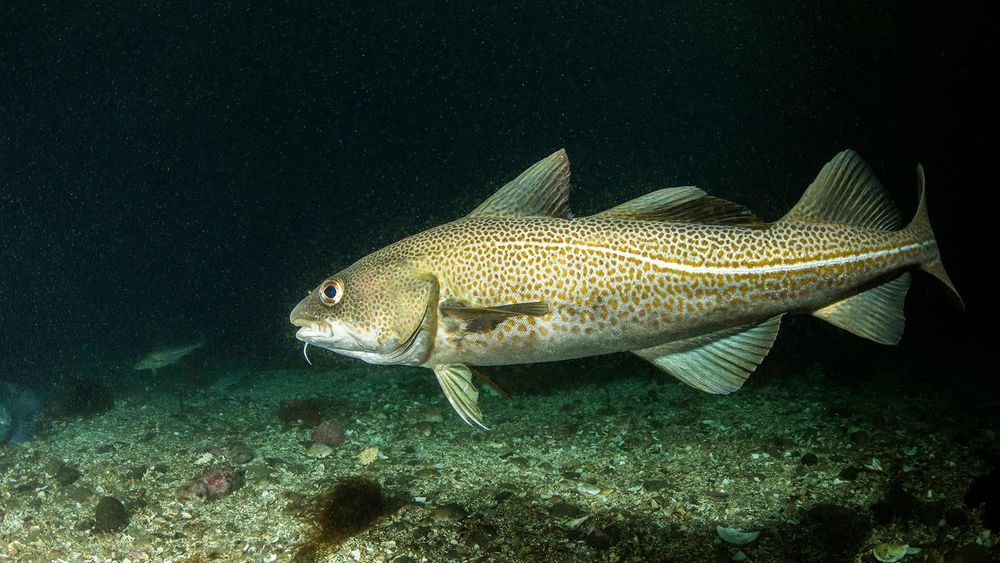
[609,467]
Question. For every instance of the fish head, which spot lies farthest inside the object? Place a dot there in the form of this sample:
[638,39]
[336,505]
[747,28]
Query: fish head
[150,362]
[381,310]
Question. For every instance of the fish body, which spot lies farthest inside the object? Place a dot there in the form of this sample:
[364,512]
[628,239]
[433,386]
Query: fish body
[161,358]
[694,284]
[18,407]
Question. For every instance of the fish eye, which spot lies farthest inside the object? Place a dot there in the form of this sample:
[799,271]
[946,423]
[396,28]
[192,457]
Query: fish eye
[330,292]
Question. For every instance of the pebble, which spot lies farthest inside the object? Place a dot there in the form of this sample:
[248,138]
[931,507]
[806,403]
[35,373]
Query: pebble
[655,485]
[67,475]
[589,489]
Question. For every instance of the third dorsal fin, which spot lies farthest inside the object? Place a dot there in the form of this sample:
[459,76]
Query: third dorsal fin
[846,192]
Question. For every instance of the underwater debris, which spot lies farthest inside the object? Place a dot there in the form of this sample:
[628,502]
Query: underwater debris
[892,552]
[18,407]
[211,485]
[735,536]
[234,452]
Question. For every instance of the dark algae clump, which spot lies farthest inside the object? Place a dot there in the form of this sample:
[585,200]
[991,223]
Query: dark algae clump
[110,515]
[349,506]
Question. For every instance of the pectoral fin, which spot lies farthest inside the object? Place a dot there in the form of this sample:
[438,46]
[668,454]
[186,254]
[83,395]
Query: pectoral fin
[456,382]
[485,319]
[719,362]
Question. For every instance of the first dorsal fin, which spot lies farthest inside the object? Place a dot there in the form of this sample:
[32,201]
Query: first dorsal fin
[540,191]
[684,204]
[846,192]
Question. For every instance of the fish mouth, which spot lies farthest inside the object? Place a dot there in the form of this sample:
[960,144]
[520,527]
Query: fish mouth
[311,330]
[319,333]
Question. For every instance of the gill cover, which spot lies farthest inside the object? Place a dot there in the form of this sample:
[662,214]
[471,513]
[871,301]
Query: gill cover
[411,313]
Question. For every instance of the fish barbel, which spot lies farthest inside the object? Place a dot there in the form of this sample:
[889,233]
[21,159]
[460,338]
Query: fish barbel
[695,284]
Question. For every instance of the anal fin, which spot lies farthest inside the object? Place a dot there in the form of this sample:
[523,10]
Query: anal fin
[719,362]
[456,382]
[876,314]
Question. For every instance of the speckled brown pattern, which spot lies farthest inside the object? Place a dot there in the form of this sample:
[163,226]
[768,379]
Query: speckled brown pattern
[611,283]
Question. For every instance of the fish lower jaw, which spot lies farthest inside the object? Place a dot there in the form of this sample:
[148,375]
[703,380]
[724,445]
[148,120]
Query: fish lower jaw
[311,330]
[312,334]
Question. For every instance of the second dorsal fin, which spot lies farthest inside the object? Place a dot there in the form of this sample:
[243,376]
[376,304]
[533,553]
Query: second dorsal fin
[540,191]
[684,204]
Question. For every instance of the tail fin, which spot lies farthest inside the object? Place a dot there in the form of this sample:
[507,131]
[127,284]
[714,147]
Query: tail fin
[846,192]
[921,227]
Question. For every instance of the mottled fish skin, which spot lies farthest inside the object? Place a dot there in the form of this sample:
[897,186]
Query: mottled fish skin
[617,285]
[694,284]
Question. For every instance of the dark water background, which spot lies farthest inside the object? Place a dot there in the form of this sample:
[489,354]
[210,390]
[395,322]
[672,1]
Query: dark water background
[169,173]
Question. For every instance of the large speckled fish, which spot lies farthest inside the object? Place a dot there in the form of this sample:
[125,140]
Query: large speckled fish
[695,284]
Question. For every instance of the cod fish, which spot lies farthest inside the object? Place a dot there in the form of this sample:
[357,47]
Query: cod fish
[165,357]
[694,284]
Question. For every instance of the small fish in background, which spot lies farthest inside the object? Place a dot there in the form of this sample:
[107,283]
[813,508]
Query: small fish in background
[166,356]
[18,407]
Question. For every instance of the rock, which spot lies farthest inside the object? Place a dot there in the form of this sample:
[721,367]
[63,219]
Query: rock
[110,515]
[930,513]
[329,433]
[734,536]
[955,517]
[890,552]
[601,539]
[971,554]
[319,450]
[566,510]
[882,512]
[451,512]
[239,453]
[655,485]
[849,473]
[67,475]
[832,532]
[985,490]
